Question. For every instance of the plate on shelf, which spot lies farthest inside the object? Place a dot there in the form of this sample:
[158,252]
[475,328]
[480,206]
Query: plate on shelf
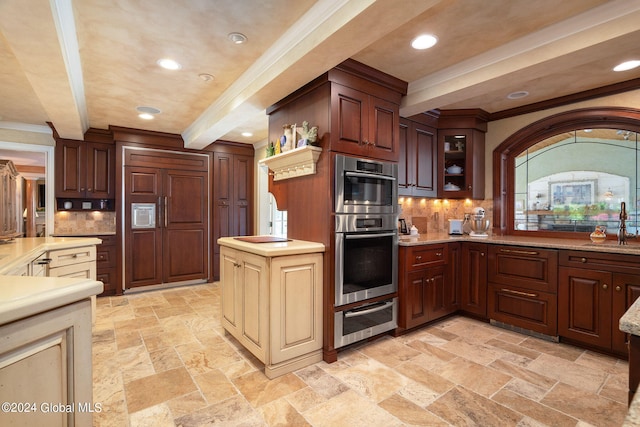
[451,187]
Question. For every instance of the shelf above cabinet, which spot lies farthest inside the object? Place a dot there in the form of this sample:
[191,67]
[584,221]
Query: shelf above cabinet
[298,162]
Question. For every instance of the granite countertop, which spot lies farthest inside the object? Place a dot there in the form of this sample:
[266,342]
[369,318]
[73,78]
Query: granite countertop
[21,251]
[24,296]
[290,247]
[610,246]
[630,323]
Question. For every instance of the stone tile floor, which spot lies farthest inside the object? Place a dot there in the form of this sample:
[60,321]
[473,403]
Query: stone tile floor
[161,358]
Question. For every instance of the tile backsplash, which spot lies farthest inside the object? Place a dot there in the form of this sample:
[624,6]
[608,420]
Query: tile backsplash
[433,214]
[66,222]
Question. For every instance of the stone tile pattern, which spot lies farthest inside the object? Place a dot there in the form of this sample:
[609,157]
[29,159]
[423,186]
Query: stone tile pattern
[161,358]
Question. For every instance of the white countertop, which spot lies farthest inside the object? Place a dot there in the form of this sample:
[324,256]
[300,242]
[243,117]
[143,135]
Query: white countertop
[290,247]
[22,296]
[24,250]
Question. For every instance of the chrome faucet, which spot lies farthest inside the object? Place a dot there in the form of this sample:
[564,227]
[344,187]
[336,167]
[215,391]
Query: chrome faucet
[622,231]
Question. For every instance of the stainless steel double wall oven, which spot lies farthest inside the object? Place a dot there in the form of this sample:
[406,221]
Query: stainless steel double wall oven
[366,248]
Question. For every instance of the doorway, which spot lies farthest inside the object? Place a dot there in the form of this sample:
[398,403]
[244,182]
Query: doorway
[40,156]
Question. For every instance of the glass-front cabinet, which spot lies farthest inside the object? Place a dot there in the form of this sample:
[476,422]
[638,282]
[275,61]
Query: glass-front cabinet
[462,163]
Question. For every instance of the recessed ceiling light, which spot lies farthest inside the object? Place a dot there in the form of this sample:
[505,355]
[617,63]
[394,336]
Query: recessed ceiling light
[424,41]
[148,110]
[169,64]
[237,38]
[629,65]
[247,134]
[147,113]
[206,77]
[517,95]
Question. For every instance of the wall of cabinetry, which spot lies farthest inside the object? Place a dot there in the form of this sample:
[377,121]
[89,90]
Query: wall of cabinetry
[573,296]
[356,109]
[232,194]
[173,246]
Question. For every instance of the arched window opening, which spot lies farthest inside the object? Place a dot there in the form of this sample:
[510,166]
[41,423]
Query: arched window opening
[564,175]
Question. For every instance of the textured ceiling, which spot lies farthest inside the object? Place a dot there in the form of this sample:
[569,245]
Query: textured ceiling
[90,63]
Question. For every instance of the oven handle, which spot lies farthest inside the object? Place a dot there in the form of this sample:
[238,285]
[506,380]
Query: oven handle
[368,235]
[368,311]
[369,175]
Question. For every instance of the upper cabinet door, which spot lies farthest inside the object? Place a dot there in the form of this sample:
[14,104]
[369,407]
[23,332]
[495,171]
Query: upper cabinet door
[101,171]
[69,170]
[384,126]
[364,125]
[85,170]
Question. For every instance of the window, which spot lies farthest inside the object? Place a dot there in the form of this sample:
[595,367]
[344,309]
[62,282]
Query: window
[568,173]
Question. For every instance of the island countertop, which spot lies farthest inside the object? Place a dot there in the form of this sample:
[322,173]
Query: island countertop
[609,246]
[23,250]
[24,296]
[288,247]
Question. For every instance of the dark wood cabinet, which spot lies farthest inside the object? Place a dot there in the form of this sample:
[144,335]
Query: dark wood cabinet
[426,290]
[461,140]
[473,285]
[172,243]
[523,287]
[84,170]
[351,104]
[626,289]
[232,196]
[418,161]
[594,291]
[364,125]
[106,264]
[584,306]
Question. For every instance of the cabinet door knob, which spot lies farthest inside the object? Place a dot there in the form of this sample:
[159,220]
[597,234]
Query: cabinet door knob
[605,286]
[481,253]
[618,288]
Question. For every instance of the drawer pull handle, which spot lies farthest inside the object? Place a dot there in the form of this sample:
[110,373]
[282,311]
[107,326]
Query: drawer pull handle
[605,286]
[419,257]
[514,251]
[439,254]
[583,260]
[618,288]
[524,294]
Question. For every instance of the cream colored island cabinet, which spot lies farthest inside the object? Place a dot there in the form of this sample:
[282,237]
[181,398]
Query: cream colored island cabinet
[272,300]
[45,351]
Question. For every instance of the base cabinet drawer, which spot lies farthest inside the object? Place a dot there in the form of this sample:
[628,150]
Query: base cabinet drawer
[64,257]
[524,308]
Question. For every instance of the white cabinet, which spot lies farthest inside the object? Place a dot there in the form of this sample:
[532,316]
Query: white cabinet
[77,263]
[55,348]
[273,306]
[74,262]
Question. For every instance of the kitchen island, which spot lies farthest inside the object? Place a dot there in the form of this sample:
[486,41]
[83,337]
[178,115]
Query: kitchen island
[630,324]
[272,299]
[46,329]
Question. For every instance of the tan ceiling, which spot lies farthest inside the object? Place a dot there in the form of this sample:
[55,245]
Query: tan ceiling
[90,63]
